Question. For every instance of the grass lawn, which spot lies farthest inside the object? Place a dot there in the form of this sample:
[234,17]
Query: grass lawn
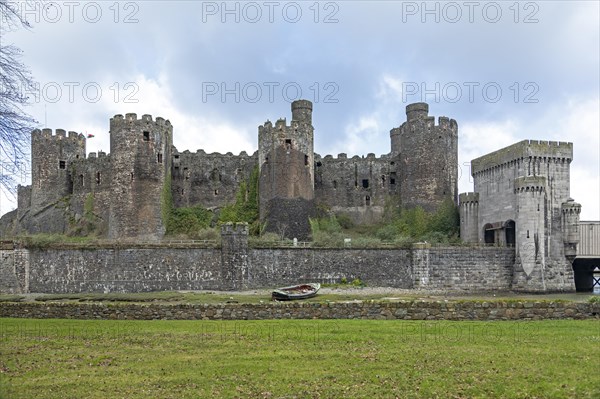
[299,359]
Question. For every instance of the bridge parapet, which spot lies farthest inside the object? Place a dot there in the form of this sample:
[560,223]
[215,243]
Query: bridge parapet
[589,239]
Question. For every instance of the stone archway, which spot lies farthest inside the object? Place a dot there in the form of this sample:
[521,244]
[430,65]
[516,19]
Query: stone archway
[586,273]
[510,233]
[489,235]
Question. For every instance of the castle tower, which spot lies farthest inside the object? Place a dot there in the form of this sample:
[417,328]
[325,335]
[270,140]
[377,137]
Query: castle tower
[286,167]
[51,156]
[141,162]
[469,217]
[531,253]
[428,157]
[570,227]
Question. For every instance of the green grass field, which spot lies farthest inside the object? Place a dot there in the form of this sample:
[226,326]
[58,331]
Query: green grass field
[299,359]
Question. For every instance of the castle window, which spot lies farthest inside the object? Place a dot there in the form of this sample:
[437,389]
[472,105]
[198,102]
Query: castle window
[98,178]
[288,144]
[368,200]
[215,175]
[335,184]
[81,181]
[216,192]
[365,183]
[319,164]
[392,163]
[383,180]
[266,159]
[146,136]
[62,164]
[131,176]
[393,178]
[306,160]
[159,157]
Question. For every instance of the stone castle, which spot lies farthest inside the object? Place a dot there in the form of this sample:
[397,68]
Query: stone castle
[126,187]
[521,196]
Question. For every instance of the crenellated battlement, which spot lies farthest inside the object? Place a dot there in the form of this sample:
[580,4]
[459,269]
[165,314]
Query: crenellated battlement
[530,184]
[231,228]
[344,157]
[413,126]
[58,134]
[280,125]
[468,198]
[571,207]
[202,153]
[133,118]
[546,151]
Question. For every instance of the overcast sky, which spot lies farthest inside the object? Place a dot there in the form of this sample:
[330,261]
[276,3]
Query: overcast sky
[506,71]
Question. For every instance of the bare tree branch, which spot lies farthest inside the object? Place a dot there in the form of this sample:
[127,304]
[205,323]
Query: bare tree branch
[15,82]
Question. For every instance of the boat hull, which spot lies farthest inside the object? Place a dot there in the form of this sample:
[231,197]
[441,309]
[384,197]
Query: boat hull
[300,291]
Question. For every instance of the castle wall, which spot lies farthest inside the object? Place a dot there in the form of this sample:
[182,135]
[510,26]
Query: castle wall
[92,185]
[209,180]
[357,186]
[470,269]
[281,267]
[8,275]
[124,270]
[235,266]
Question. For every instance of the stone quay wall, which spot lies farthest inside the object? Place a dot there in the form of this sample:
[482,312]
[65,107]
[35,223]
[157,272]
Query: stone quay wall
[377,310]
[235,266]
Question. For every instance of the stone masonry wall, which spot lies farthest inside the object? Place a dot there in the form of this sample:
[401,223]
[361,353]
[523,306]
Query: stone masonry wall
[210,180]
[235,267]
[471,269]
[375,267]
[401,310]
[124,270]
[356,186]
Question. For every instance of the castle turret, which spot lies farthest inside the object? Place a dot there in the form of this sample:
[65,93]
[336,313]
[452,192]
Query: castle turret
[570,227]
[469,217]
[51,157]
[530,256]
[141,161]
[286,165]
[428,157]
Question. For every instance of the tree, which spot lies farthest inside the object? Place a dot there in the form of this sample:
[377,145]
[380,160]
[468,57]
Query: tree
[15,80]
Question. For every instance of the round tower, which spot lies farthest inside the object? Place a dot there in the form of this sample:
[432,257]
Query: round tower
[51,157]
[570,227]
[428,156]
[530,240]
[302,111]
[286,167]
[141,162]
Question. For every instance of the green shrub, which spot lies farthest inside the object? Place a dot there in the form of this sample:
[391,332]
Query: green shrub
[245,208]
[358,283]
[387,232]
[188,221]
[345,221]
